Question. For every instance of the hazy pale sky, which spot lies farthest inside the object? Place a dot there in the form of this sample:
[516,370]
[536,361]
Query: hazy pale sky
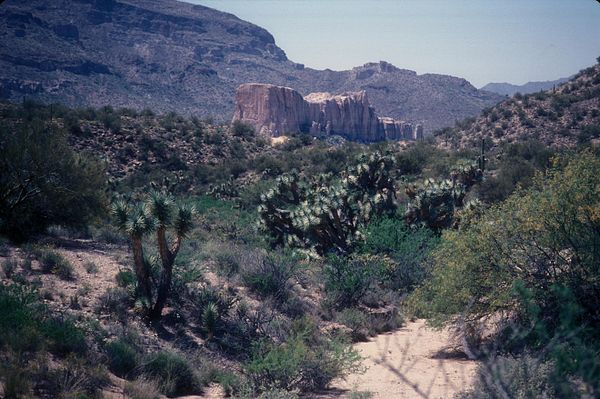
[482,41]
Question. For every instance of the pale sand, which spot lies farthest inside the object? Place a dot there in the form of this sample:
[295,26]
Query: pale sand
[413,362]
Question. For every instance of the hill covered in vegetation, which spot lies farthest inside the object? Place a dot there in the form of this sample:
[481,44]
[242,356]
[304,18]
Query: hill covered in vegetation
[565,116]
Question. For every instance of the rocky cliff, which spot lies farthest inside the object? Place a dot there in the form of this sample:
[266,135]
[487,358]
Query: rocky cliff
[169,55]
[275,110]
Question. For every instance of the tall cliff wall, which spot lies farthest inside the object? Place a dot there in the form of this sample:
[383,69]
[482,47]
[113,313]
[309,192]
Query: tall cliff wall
[276,110]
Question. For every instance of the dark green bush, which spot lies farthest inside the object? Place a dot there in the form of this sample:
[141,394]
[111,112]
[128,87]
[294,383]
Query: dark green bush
[241,129]
[122,357]
[45,182]
[20,319]
[64,337]
[125,278]
[269,275]
[115,301]
[174,373]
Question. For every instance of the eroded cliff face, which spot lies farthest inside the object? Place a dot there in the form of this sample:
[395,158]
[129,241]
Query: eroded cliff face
[276,110]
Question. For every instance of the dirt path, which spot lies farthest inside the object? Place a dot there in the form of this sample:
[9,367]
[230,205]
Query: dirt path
[413,362]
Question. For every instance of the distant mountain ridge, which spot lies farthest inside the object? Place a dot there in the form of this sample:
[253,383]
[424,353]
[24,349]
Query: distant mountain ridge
[509,89]
[168,55]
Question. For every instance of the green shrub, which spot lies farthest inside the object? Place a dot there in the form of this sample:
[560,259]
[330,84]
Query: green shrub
[45,187]
[122,357]
[90,267]
[228,263]
[109,235]
[20,319]
[230,383]
[64,337]
[115,301]
[240,129]
[514,377]
[304,362]
[357,321]
[174,374]
[408,248]
[269,275]
[125,278]
[531,260]
[347,280]
[53,262]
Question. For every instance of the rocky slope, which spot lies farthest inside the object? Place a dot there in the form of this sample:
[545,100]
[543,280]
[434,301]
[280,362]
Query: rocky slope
[275,110]
[508,89]
[565,116]
[173,56]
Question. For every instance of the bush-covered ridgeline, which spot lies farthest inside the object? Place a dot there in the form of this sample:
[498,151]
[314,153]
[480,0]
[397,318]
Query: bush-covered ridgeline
[530,265]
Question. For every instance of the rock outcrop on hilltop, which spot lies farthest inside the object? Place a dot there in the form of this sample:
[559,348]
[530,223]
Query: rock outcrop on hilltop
[276,110]
[170,55]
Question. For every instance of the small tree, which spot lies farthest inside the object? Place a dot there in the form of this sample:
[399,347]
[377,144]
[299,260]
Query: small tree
[156,214]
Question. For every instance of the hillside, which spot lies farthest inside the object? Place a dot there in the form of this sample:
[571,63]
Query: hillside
[508,89]
[172,56]
[562,117]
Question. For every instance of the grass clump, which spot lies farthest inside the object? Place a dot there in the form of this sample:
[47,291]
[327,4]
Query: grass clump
[53,262]
[142,388]
[173,373]
[90,267]
[122,357]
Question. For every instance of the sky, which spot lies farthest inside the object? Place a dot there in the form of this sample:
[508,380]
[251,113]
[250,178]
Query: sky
[483,41]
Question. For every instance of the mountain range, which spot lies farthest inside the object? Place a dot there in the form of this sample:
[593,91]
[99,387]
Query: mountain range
[509,89]
[173,56]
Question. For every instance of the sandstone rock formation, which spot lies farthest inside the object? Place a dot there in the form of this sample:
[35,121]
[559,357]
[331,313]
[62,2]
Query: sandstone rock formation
[275,110]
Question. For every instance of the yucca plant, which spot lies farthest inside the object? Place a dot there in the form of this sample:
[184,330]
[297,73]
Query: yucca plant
[210,318]
[156,214]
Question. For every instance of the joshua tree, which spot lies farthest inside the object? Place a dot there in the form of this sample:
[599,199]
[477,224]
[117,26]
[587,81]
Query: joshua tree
[156,214]
[434,204]
[324,214]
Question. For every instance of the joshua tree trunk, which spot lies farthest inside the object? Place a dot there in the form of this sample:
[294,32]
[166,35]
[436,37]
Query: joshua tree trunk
[168,259]
[141,271]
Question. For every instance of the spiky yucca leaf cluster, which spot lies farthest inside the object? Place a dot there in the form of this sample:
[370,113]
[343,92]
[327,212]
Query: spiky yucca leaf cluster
[324,213]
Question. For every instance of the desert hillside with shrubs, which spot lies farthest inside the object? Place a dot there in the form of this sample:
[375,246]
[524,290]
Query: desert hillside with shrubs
[145,255]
